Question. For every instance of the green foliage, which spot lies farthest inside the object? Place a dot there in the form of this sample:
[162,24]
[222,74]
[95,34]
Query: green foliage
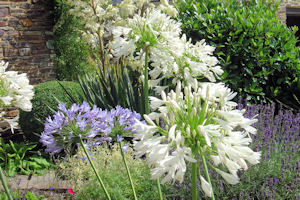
[18,158]
[257,52]
[71,52]
[44,103]
[19,196]
[110,166]
[112,87]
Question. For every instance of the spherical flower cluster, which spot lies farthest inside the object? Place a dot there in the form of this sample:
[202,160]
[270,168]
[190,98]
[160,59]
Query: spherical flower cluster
[170,54]
[93,125]
[201,121]
[15,91]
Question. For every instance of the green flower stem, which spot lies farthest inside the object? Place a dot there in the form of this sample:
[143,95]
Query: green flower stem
[127,169]
[145,88]
[194,181]
[92,164]
[3,180]
[147,107]
[159,189]
[207,174]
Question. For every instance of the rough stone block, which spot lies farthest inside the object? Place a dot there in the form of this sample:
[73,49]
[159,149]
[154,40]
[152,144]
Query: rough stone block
[13,22]
[3,12]
[24,51]
[26,22]
[9,52]
[50,44]
[2,23]
[31,33]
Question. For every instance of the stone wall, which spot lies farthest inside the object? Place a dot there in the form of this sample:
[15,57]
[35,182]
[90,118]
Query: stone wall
[284,6]
[26,38]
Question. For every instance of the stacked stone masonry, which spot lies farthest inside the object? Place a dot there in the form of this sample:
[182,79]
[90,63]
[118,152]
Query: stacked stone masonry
[26,39]
[287,4]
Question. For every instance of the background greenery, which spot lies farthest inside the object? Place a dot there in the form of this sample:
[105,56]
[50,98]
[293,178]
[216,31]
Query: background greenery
[257,52]
[72,53]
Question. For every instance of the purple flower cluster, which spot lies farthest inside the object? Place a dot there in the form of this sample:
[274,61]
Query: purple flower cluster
[278,134]
[93,125]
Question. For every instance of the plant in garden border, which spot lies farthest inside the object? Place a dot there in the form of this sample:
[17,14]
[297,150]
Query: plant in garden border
[257,52]
[88,128]
[17,157]
[15,91]
[200,123]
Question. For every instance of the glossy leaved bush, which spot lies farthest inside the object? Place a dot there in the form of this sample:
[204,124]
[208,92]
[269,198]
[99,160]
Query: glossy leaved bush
[257,52]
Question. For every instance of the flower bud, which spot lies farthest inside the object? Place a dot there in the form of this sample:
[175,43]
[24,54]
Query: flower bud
[194,133]
[188,131]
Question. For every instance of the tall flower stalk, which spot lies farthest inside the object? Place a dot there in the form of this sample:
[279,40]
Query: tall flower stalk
[127,169]
[199,123]
[3,181]
[94,169]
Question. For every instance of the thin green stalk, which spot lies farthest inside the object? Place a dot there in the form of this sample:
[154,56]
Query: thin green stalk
[207,174]
[127,169]
[194,181]
[97,175]
[159,189]
[145,88]
[3,180]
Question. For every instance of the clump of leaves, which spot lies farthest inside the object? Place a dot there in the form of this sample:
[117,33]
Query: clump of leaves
[257,52]
[17,195]
[18,158]
[110,166]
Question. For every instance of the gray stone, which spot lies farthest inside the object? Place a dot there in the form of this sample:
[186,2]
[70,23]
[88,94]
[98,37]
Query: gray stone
[3,12]
[50,44]
[24,51]
[49,33]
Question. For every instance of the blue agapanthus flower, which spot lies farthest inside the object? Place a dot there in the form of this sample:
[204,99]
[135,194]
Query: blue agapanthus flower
[93,125]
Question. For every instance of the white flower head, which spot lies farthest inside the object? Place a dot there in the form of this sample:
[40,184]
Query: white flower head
[196,119]
[15,91]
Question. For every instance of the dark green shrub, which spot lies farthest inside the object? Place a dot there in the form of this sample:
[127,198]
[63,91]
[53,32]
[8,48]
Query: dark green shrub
[257,52]
[44,103]
[72,53]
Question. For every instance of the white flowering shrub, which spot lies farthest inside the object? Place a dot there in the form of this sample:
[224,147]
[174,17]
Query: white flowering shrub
[128,29]
[199,123]
[15,91]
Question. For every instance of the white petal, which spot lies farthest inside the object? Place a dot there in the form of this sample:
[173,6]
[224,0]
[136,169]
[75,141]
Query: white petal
[206,187]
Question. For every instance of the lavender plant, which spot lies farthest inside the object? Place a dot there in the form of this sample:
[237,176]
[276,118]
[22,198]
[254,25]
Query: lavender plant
[277,175]
[87,127]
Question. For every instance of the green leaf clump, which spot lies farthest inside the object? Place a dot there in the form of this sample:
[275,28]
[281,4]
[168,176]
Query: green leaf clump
[19,158]
[257,52]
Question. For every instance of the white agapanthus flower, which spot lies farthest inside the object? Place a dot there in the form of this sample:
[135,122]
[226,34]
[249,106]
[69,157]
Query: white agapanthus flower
[170,54]
[15,91]
[202,120]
